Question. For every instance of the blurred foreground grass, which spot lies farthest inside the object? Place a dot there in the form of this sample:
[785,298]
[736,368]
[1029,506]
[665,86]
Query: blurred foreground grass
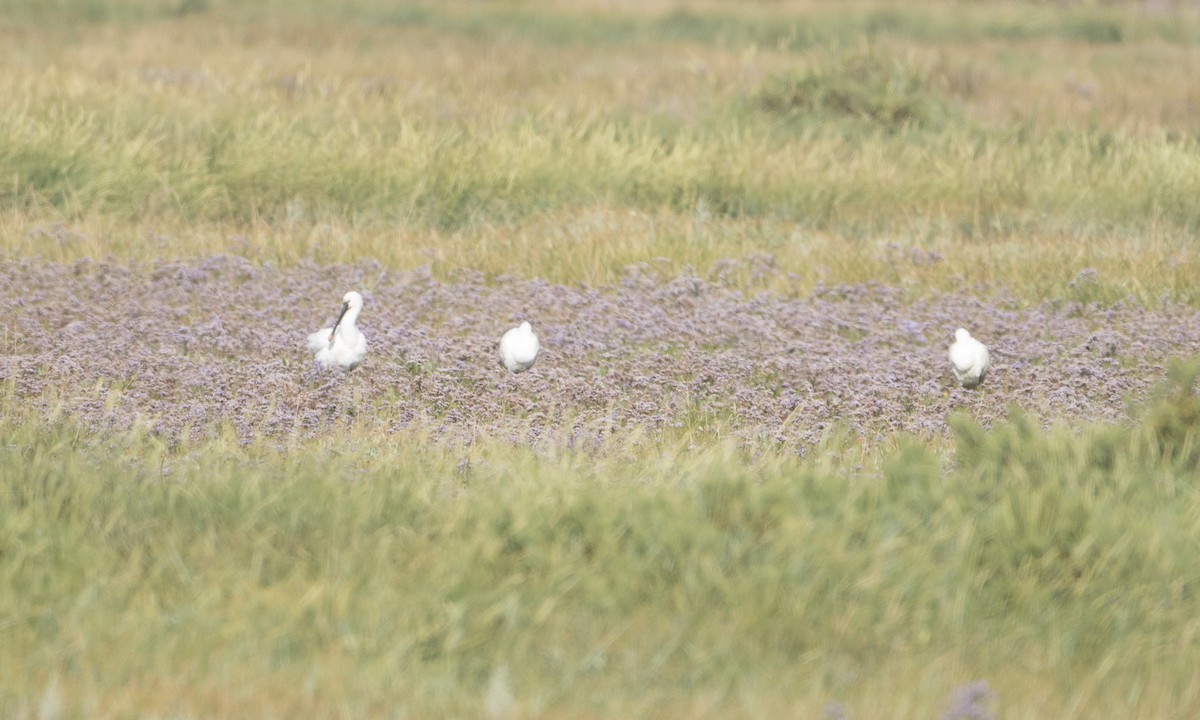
[1012,145]
[353,577]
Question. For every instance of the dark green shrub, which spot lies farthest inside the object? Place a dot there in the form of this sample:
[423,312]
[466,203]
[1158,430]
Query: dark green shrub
[867,86]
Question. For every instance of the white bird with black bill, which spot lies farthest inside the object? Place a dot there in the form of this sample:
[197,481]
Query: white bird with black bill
[343,344]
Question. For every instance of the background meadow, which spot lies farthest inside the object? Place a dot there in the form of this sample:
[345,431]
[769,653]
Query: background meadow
[738,483]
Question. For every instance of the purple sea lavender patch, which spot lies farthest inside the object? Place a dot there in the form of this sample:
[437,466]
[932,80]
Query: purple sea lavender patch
[970,702]
[198,344]
[911,330]
[1085,278]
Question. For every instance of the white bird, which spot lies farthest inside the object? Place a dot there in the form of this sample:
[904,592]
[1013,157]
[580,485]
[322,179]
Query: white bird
[969,358]
[342,345]
[519,348]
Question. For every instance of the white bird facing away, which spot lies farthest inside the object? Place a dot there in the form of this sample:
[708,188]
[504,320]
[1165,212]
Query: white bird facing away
[519,348]
[969,358]
[342,345]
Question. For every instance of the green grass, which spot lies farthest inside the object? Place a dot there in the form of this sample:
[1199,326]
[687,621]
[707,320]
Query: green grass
[1059,565]
[134,160]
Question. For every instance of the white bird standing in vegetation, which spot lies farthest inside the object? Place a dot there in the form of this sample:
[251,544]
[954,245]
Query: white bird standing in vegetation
[969,358]
[342,345]
[519,348]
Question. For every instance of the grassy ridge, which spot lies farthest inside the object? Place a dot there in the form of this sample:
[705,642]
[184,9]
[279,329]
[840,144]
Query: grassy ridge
[1058,565]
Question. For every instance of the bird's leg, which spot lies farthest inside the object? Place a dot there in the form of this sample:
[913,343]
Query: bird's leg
[355,395]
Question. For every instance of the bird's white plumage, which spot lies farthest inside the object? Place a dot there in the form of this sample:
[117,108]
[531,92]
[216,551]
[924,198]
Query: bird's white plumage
[343,344]
[519,348]
[969,359]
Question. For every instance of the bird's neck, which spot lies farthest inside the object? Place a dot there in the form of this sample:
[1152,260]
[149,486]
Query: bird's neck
[348,320]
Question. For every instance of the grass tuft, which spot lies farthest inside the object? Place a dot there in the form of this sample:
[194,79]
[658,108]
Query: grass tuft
[866,85]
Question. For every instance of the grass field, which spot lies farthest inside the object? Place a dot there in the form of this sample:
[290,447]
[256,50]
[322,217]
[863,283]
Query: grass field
[1020,143]
[738,483]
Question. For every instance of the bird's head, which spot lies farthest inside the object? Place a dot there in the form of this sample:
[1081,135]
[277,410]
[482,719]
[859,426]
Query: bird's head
[352,302]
